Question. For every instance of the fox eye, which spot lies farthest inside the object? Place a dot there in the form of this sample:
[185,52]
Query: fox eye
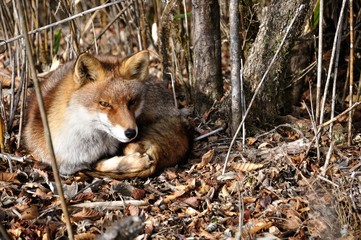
[104,104]
[131,102]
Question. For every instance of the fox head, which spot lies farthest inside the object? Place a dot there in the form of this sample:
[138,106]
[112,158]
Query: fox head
[109,93]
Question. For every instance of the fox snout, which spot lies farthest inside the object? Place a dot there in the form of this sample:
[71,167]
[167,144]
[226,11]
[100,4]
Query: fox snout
[130,133]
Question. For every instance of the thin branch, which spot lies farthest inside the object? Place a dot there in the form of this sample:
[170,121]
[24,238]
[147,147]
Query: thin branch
[3,42]
[210,133]
[111,205]
[44,119]
[348,110]
[335,71]
[319,62]
[328,181]
[259,86]
[235,63]
[13,157]
[349,134]
[327,161]
[330,67]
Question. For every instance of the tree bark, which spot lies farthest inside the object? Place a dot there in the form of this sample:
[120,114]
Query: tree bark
[274,98]
[207,81]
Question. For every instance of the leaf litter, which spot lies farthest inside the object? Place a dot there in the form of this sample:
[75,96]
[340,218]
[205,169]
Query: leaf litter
[272,190]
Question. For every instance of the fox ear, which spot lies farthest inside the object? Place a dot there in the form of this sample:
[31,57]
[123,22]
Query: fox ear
[136,66]
[87,68]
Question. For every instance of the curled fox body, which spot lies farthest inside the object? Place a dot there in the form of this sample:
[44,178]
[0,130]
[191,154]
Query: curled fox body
[109,116]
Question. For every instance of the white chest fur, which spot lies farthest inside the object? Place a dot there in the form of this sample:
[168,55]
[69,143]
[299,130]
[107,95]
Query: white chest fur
[78,142]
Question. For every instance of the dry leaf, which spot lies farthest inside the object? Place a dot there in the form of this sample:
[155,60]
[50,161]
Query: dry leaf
[86,213]
[85,236]
[207,157]
[133,210]
[43,195]
[251,141]
[30,213]
[192,201]
[293,222]
[173,196]
[225,192]
[246,166]
[255,227]
[249,199]
[191,211]
[171,174]
[9,177]
[82,197]
[138,193]
[204,188]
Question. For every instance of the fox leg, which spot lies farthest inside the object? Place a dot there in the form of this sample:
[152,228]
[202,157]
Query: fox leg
[122,164]
[138,161]
[162,144]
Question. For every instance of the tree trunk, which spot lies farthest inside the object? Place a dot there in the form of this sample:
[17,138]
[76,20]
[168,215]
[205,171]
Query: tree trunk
[274,99]
[207,81]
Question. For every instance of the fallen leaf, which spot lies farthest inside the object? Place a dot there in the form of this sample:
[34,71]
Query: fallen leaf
[9,177]
[30,213]
[138,193]
[251,141]
[192,201]
[43,195]
[207,157]
[246,166]
[86,213]
[173,196]
[85,236]
[133,210]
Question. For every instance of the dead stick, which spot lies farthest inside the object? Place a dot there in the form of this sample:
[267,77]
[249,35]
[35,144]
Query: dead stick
[340,115]
[210,133]
[44,119]
[110,205]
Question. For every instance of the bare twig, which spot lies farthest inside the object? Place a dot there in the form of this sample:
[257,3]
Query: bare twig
[111,205]
[328,157]
[349,134]
[3,42]
[330,67]
[243,103]
[13,157]
[348,110]
[44,119]
[235,63]
[326,180]
[314,124]
[333,101]
[319,62]
[259,86]
[210,133]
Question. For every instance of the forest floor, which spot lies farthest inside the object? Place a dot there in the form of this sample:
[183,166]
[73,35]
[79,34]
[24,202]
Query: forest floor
[273,187]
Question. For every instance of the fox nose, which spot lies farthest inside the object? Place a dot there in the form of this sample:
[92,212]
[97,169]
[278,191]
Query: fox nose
[130,133]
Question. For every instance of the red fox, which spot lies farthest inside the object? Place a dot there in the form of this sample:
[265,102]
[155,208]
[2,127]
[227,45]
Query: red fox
[107,115]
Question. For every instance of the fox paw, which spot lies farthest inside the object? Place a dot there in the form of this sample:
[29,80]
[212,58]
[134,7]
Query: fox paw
[135,162]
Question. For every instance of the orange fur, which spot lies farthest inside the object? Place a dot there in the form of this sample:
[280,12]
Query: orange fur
[109,117]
